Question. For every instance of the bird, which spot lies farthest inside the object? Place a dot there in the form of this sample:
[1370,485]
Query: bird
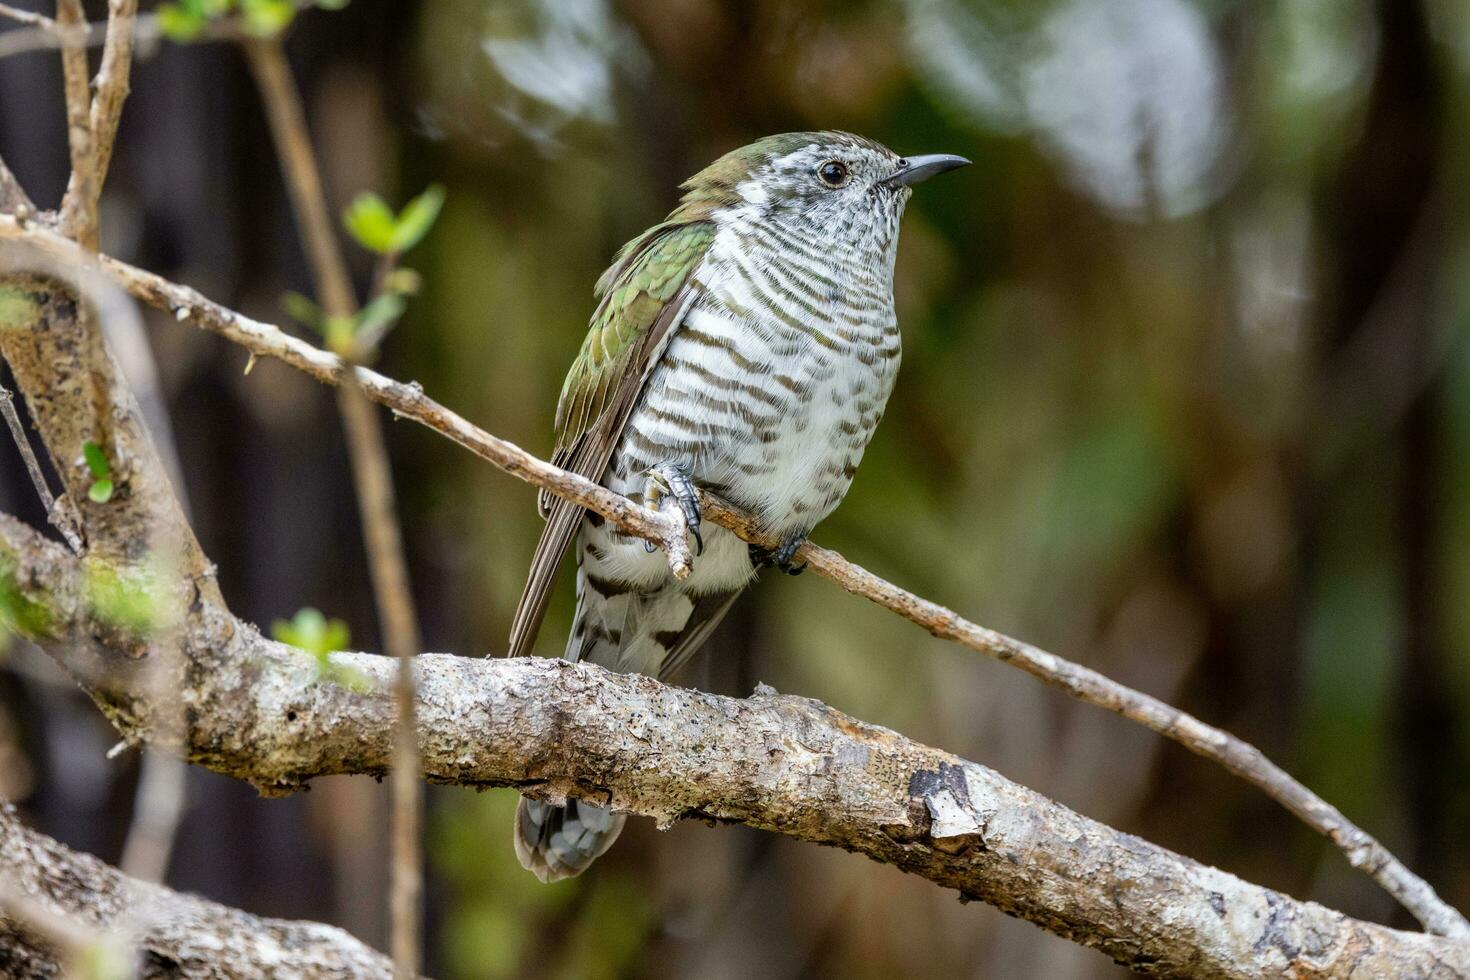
[746,345]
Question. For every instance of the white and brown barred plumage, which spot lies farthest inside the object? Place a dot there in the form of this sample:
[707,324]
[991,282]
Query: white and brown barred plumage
[750,343]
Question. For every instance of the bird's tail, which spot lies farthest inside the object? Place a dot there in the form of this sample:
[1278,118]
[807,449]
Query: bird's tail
[556,842]
[617,627]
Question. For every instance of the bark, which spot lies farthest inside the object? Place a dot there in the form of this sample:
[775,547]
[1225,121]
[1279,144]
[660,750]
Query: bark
[264,712]
[163,932]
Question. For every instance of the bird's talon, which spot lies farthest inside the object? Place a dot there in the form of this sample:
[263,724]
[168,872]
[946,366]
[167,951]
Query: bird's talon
[671,480]
[781,555]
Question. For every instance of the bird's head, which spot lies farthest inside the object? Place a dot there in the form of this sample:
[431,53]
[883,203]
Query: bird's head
[842,188]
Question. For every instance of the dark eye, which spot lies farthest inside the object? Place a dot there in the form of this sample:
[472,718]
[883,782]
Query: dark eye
[833,173]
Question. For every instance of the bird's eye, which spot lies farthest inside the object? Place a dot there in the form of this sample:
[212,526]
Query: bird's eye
[833,173]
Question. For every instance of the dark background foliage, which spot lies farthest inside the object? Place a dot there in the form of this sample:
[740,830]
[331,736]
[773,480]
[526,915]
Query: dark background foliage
[1184,398]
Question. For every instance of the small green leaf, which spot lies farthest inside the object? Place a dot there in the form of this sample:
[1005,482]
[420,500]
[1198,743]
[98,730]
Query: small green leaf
[416,218]
[380,312]
[101,491]
[340,333]
[267,18]
[309,630]
[179,24]
[304,311]
[96,460]
[370,221]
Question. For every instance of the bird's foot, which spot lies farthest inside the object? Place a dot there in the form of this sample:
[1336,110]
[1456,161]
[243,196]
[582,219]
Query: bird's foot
[781,555]
[671,481]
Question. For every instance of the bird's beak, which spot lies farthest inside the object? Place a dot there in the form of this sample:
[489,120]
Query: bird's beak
[912,170]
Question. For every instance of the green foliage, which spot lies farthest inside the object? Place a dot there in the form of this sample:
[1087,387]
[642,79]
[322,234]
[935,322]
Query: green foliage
[314,633]
[416,218]
[374,226]
[266,18]
[369,220]
[184,21]
[311,631]
[381,312]
[101,489]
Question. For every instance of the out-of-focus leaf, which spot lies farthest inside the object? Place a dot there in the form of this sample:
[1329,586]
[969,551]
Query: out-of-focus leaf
[313,632]
[179,24]
[267,18]
[416,218]
[370,222]
[305,312]
[380,312]
[100,491]
[340,333]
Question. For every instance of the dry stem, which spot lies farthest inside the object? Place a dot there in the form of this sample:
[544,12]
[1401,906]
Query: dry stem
[372,476]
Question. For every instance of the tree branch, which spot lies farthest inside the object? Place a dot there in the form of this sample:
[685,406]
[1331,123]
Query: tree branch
[263,711]
[409,401]
[57,904]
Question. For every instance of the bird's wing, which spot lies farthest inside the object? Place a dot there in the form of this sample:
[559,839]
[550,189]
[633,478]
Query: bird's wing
[644,296]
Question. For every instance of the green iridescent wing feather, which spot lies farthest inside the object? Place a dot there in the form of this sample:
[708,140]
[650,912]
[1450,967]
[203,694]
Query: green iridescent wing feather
[642,296]
[646,275]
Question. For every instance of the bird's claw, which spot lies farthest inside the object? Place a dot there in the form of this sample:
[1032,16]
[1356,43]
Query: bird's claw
[781,555]
[670,480]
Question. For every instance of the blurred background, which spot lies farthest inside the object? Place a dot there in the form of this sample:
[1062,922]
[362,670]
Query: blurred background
[1185,397]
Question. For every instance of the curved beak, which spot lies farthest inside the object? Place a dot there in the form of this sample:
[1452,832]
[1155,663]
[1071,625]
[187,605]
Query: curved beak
[912,170]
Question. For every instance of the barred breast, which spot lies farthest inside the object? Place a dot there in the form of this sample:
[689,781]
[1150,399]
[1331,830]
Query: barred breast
[768,393]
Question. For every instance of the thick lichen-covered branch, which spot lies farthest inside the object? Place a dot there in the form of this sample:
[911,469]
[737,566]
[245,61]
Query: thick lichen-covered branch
[267,713]
[60,908]
[409,401]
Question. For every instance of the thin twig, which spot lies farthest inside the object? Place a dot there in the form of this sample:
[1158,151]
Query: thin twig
[92,121]
[409,401]
[373,478]
[112,85]
[69,17]
[30,17]
[56,511]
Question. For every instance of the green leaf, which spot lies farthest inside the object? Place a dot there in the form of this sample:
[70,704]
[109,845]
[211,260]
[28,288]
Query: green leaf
[179,24]
[96,460]
[340,333]
[331,4]
[101,491]
[304,311]
[416,218]
[380,312]
[371,222]
[309,630]
[267,18]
